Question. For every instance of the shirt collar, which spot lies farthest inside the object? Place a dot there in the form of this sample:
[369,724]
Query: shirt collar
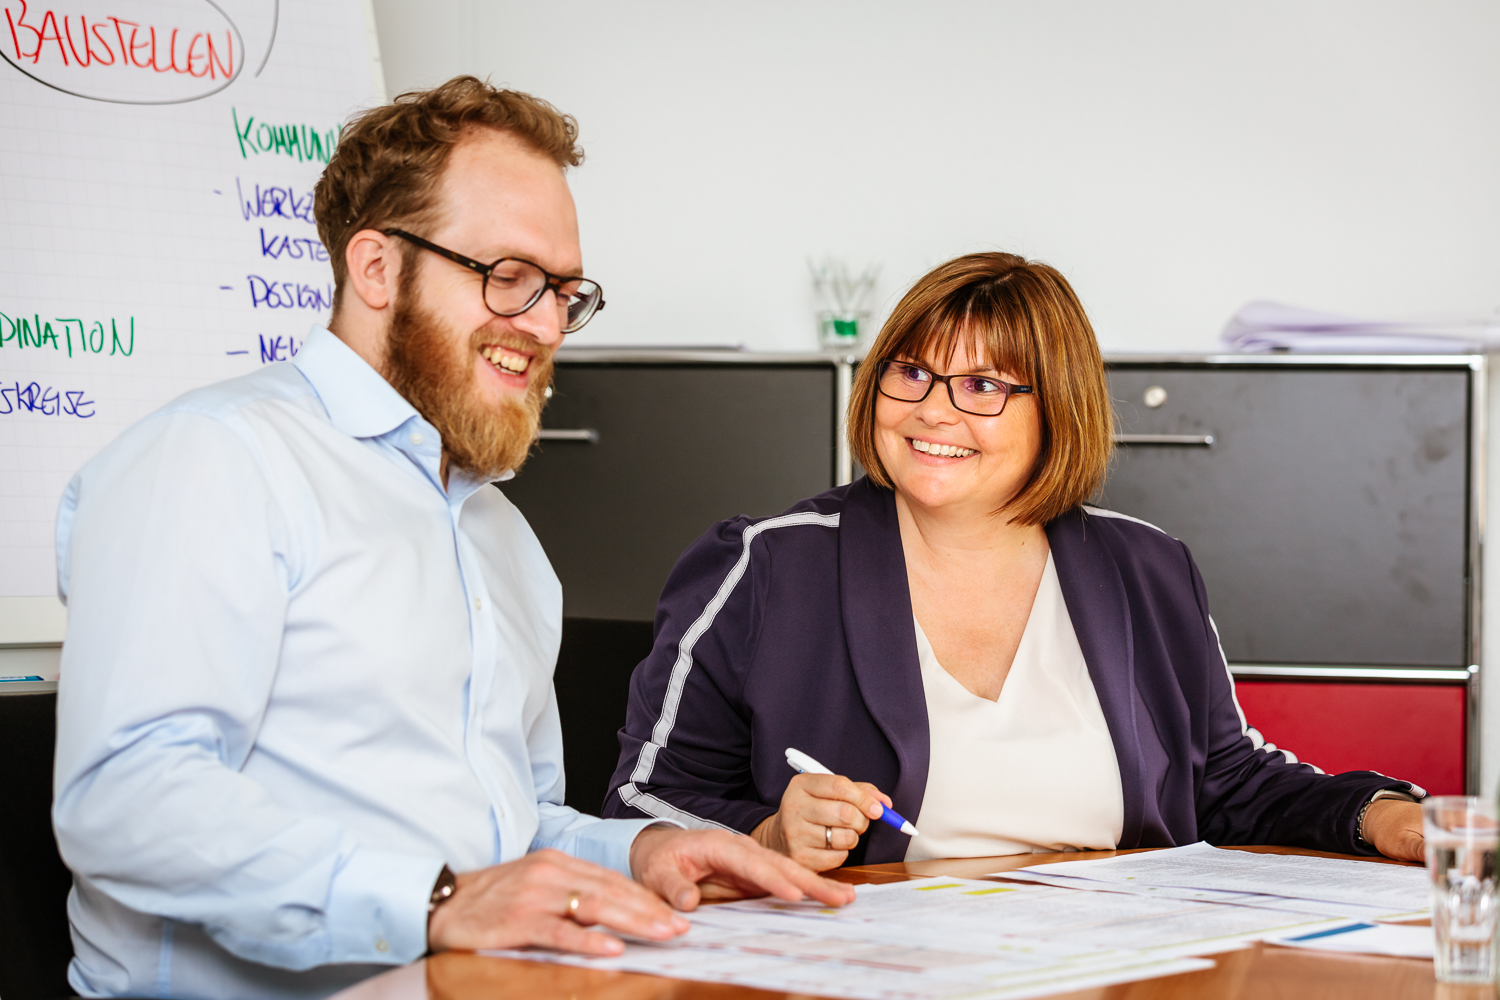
[362,404]
[359,401]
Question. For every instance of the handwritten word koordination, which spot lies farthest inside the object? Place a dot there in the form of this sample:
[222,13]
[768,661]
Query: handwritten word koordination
[33,332]
[35,35]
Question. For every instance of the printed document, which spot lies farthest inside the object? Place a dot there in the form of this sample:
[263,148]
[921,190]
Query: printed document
[1363,938]
[1378,887]
[949,937]
[1313,907]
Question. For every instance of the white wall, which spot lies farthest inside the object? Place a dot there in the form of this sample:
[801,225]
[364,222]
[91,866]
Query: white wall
[1174,159]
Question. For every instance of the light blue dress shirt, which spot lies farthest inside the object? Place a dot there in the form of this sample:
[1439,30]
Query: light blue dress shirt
[299,677]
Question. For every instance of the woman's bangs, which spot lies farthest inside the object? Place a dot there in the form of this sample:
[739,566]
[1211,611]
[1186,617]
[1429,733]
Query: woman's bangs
[941,334]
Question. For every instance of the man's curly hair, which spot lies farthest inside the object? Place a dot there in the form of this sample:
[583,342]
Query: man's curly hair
[389,161]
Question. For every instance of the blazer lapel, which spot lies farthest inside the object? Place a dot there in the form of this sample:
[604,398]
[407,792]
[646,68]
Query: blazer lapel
[1097,604]
[882,643]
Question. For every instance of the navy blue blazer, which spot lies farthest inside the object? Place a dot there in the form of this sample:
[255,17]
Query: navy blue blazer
[796,630]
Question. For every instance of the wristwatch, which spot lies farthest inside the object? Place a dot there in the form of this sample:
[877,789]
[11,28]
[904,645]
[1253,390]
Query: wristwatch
[442,890]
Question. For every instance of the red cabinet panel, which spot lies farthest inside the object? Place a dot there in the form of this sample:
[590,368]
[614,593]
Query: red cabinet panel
[1409,731]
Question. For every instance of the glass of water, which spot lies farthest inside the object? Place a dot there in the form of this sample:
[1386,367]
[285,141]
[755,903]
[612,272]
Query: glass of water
[1462,834]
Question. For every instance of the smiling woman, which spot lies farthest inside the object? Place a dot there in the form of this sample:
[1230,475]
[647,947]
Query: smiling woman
[1012,316]
[1011,668]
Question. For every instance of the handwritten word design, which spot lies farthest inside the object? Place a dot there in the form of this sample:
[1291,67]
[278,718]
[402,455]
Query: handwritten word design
[33,332]
[288,294]
[302,143]
[124,59]
[21,397]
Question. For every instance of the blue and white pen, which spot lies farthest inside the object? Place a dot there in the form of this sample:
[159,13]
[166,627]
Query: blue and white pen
[803,764]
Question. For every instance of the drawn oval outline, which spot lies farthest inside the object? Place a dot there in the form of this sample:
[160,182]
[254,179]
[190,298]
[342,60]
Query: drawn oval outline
[239,40]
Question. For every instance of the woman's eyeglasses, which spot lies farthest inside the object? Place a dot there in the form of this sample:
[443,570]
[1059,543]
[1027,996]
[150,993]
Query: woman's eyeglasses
[977,394]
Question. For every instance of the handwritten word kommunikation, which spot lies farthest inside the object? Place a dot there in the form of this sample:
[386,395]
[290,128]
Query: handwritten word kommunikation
[43,33]
[32,397]
[33,332]
[288,294]
[302,143]
[274,202]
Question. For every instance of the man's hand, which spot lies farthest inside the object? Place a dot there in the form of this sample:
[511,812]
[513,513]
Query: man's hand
[1394,828]
[820,819]
[688,866]
[526,902]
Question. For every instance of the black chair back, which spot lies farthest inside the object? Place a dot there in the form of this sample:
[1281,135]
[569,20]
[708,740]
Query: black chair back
[35,947]
[593,688]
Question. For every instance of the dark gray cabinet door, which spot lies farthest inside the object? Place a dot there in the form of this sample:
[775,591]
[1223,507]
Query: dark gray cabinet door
[679,447]
[1329,518]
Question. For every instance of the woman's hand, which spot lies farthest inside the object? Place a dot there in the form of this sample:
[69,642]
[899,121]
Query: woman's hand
[1394,828]
[820,820]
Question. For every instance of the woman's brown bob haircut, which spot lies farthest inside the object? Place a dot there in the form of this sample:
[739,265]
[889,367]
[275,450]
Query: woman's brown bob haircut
[387,168]
[1023,318]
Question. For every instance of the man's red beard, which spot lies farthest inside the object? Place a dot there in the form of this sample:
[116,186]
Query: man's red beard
[484,437]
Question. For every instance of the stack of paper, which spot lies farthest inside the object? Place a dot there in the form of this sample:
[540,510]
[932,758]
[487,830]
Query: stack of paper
[1330,886]
[1140,916]
[941,937]
[1270,326]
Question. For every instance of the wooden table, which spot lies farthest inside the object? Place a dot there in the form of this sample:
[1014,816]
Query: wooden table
[1257,973]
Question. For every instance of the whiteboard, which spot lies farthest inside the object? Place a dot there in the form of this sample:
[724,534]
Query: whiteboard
[157,159]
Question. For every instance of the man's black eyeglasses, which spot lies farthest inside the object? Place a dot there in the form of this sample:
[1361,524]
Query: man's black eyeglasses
[977,394]
[511,286]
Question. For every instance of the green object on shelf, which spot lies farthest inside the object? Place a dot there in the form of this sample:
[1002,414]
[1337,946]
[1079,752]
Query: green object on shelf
[840,331]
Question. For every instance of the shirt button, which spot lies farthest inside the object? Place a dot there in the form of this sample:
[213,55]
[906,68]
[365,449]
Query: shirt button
[416,439]
[478,604]
[381,945]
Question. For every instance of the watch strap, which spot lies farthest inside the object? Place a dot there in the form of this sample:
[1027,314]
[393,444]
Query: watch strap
[442,890]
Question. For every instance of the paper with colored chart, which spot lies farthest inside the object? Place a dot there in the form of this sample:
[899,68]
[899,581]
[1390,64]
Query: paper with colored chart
[157,159]
[940,937]
[1359,937]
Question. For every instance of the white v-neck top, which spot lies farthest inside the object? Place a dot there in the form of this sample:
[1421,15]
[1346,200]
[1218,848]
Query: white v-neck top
[1034,771]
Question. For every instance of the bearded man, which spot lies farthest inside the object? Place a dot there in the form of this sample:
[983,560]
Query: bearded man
[308,668]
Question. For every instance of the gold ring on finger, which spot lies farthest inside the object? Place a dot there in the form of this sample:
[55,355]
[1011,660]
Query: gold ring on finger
[828,837]
[573,900]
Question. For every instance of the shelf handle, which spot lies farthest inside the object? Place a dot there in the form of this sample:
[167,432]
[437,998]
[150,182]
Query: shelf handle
[1170,440]
[587,435]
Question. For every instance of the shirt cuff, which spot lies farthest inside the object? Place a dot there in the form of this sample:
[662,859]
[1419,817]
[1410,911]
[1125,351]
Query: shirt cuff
[377,908]
[608,843]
